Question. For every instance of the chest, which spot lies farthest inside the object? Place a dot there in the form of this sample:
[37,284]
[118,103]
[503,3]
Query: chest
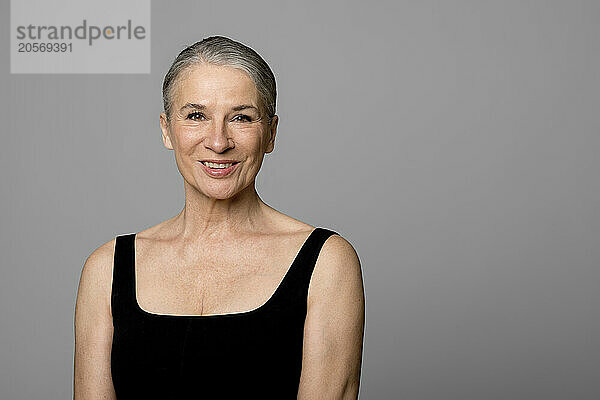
[221,281]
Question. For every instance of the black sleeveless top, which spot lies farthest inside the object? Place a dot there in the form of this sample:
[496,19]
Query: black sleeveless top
[255,354]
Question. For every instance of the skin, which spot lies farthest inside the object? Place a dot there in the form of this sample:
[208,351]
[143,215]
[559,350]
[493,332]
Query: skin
[228,213]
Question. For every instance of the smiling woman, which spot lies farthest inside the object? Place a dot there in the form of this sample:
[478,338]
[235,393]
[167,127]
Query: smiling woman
[230,298]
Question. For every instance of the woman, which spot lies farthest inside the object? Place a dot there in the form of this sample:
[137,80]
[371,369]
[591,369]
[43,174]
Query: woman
[230,298]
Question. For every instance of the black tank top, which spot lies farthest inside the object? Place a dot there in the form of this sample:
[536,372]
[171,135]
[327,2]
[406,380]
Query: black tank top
[255,354]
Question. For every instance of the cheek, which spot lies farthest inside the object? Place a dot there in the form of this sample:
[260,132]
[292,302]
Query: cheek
[250,138]
[185,136]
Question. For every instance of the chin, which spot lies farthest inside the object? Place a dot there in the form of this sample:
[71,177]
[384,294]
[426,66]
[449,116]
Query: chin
[219,197]
[219,194]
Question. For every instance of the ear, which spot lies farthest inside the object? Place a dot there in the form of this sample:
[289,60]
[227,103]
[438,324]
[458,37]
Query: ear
[272,134]
[164,127]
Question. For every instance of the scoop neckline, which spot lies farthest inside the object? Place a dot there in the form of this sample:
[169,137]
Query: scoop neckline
[241,314]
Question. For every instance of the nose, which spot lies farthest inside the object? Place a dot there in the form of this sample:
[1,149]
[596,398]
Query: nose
[217,138]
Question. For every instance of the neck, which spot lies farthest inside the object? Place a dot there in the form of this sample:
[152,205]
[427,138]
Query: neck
[204,216]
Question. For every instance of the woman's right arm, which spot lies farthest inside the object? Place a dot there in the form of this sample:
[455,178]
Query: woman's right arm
[93,328]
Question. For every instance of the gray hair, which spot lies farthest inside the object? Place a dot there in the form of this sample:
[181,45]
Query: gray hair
[220,50]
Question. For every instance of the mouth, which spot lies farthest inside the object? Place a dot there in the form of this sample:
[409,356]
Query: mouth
[218,169]
[213,164]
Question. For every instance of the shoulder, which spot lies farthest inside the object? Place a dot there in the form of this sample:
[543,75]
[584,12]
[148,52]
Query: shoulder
[334,324]
[99,262]
[337,271]
[95,282]
[93,325]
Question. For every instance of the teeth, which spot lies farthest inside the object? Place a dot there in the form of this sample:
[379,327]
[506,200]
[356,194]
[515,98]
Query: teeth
[215,165]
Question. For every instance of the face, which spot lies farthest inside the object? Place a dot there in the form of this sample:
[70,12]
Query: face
[216,115]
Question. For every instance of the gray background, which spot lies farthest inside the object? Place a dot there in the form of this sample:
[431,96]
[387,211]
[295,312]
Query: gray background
[453,143]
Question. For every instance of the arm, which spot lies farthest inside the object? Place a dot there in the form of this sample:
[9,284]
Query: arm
[93,328]
[334,325]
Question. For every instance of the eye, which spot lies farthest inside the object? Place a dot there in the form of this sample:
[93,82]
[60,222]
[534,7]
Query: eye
[195,115]
[243,116]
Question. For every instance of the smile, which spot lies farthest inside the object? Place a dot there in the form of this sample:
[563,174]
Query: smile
[218,170]
[216,165]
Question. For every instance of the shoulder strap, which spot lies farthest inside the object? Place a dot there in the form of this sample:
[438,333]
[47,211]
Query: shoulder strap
[296,285]
[122,285]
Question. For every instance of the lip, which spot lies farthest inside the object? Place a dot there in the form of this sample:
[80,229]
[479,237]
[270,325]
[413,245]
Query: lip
[221,172]
[220,161]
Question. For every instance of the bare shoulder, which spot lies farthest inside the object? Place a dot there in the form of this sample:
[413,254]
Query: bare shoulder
[334,326]
[98,265]
[93,327]
[337,270]
[101,256]
[95,282]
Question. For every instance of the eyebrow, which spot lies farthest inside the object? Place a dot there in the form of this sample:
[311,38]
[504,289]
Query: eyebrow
[203,107]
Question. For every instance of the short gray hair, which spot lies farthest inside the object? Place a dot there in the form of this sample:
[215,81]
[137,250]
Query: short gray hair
[220,50]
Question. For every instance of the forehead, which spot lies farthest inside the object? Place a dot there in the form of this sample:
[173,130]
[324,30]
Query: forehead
[208,83]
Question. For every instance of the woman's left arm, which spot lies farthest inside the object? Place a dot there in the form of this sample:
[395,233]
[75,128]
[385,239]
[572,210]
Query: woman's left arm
[334,325]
